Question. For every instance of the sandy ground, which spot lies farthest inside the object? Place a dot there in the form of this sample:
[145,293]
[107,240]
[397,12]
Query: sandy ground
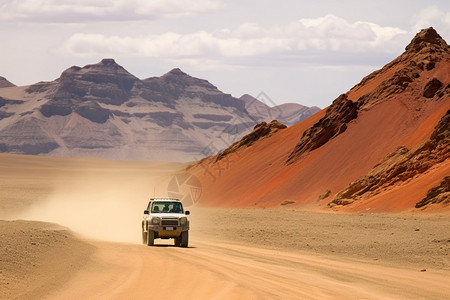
[416,241]
[233,254]
[37,257]
[213,267]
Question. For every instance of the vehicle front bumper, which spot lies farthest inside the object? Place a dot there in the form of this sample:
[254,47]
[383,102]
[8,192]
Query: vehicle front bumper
[168,231]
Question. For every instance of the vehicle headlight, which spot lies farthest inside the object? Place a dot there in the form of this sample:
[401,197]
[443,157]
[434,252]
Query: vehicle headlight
[155,220]
[183,220]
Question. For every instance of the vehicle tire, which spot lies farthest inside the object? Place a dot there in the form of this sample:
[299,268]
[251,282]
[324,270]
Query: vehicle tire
[178,241]
[150,238]
[144,237]
[184,239]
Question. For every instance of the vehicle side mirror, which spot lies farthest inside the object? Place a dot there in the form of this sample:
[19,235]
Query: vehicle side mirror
[187,213]
[146,212]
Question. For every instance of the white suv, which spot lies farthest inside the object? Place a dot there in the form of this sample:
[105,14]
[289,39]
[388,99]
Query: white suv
[165,218]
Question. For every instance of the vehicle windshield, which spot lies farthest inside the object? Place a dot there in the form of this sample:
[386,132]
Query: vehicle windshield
[167,207]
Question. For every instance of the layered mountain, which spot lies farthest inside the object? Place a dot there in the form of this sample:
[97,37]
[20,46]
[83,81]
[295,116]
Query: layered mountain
[287,113]
[101,110]
[382,146]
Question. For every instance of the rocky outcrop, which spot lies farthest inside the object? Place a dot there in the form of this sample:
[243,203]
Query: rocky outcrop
[438,195]
[57,108]
[432,87]
[93,112]
[335,121]
[426,38]
[400,165]
[260,131]
[5,83]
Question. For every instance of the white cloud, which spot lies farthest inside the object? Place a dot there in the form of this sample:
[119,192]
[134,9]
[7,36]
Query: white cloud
[432,16]
[74,11]
[302,41]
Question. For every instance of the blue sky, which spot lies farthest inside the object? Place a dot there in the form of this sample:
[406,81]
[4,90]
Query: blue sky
[307,52]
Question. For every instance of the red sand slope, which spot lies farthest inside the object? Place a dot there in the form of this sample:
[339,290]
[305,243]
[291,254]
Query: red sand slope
[394,113]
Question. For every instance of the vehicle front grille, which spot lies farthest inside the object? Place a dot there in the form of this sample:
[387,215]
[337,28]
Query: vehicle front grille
[169,222]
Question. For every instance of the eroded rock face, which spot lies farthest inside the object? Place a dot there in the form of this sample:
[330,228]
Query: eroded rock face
[432,87]
[54,108]
[438,195]
[400,166]
[260,131]
[335,121]
[93,112]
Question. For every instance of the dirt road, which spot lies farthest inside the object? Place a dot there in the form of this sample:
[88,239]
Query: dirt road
[210,270]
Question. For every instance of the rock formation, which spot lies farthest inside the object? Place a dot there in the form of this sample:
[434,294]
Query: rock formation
[260,131]
[332,124]
[437,195]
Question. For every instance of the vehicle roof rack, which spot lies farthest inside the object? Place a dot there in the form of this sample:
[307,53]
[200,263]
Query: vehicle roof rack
[164,199]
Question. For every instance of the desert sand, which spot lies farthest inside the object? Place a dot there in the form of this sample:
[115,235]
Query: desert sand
[94,251]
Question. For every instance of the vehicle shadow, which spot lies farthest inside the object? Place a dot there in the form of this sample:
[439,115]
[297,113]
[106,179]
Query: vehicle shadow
[172,246]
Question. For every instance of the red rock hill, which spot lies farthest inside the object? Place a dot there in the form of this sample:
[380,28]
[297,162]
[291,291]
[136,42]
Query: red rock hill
[310,163]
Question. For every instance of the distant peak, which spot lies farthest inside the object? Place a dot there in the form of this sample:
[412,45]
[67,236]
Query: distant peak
[5,83]
[108,61]
[424,38]
[176,71]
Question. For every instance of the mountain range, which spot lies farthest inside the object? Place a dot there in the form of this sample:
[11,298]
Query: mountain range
[101,110]
[382,146]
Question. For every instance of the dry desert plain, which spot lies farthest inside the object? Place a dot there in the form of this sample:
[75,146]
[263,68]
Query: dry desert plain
[70,228]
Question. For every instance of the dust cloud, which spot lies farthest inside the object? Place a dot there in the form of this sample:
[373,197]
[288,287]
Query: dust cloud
[101,204]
